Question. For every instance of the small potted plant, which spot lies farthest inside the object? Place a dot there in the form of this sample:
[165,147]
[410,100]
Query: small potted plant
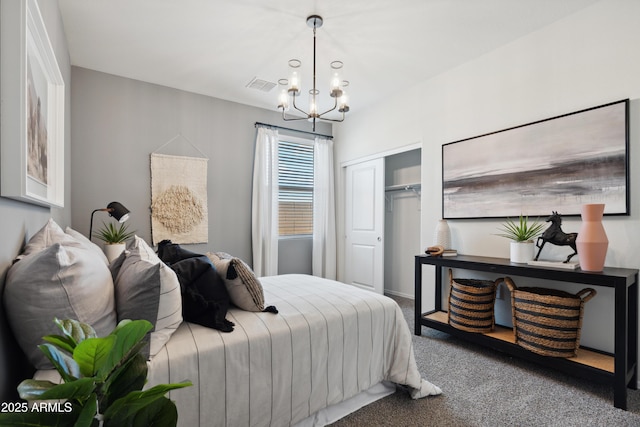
[114,238]
[103,378]
[521,234]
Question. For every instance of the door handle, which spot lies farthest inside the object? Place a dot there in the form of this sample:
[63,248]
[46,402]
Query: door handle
[379,239]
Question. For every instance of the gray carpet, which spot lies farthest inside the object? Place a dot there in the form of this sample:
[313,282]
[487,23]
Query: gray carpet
[482,387]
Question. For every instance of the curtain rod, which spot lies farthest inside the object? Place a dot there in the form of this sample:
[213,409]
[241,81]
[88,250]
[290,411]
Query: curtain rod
[292,130]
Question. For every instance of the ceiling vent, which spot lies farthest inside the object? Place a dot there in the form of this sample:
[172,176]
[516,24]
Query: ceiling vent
[261,85]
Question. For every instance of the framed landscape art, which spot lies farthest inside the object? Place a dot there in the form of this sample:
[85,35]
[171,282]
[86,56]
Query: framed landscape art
[557,164]
[32,128]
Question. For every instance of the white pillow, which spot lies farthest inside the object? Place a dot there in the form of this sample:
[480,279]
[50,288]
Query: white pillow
[86,243]
[146,288]
[48,235]
[52,233]
[67,282]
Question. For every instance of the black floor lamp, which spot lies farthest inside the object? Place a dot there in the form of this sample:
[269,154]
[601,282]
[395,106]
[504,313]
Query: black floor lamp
[115,209]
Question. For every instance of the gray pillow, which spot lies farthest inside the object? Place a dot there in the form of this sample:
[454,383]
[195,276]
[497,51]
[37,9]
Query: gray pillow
[245,290]
[147,289]
[58,281]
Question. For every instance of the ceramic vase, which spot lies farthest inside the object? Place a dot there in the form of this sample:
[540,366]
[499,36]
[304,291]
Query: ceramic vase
[592,242]
[113,250]
[521,252]
[442,235]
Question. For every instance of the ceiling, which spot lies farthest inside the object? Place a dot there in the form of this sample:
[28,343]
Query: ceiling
[216,47]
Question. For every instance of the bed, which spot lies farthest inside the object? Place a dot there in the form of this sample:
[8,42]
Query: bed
[329,350]
[328,343]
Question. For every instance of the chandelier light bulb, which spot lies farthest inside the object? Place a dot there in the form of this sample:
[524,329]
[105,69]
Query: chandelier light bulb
[336,91]
[344,102]
[283,100]
[294,82]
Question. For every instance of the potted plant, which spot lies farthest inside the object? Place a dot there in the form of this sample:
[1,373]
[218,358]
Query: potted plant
[103,380]
[114,238]
[521,234]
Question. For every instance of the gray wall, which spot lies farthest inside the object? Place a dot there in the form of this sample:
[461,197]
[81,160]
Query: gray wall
[19,221]
[118,122]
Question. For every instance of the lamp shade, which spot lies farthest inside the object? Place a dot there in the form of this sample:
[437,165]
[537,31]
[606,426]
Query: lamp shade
[118,211]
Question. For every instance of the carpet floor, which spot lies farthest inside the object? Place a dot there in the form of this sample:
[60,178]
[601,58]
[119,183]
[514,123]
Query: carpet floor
[483,387]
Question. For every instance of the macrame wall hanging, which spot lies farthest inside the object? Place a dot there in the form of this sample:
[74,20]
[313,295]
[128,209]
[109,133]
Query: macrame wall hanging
[179,197]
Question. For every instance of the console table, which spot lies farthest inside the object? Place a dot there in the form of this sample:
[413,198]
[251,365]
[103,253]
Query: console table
[618,369]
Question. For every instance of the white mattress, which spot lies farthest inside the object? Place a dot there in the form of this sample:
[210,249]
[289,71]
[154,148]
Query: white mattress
[328,343]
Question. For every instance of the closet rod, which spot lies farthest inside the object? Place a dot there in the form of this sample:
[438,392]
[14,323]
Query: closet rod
[292,130]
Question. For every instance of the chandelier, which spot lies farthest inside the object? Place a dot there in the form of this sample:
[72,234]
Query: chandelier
[337,87]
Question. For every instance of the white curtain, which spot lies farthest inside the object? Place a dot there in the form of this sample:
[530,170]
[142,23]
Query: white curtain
[264,207]
[324,211]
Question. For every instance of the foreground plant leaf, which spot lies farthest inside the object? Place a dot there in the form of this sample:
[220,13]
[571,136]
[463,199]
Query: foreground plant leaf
[65,365]
[127,407]
[92,353]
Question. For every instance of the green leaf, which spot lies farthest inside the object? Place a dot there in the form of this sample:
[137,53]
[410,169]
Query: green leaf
[32,389]
[92,353]
[65,365]
[128,377]
[521,231]
[126,408]
[109,233]
[129,334]
[86,418]
[75,330]
[79,389]
[64,343]
[37,419]
[161,413]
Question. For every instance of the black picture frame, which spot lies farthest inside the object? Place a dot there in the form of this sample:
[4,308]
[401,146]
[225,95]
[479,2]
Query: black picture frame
[535,168]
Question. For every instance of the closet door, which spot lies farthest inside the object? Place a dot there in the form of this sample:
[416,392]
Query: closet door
[364,224]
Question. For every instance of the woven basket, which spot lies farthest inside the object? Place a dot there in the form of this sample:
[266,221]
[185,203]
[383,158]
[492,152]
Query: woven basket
[548,321]
[471,304]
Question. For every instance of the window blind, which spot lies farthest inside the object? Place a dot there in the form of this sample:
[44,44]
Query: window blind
[295,182]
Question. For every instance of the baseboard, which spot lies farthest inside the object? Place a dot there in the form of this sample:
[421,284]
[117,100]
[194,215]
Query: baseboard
[399,294]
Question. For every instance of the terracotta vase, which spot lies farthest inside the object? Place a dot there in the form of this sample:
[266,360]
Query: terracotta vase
[592,242]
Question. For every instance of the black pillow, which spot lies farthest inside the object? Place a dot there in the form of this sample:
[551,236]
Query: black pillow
[205,299]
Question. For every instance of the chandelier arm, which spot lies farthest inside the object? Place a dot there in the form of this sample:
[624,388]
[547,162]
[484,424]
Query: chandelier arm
[335,105]
[332,120]
[299,109]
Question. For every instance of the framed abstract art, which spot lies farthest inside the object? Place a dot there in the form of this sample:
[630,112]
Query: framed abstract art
[556,164]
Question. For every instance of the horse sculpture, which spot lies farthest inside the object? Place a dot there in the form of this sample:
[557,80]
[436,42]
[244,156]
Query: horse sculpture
[556,236]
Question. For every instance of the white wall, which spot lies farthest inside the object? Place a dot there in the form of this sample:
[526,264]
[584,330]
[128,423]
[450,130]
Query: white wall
[582,61]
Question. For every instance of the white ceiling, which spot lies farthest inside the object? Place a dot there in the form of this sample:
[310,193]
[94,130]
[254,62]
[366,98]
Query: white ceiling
[216,47]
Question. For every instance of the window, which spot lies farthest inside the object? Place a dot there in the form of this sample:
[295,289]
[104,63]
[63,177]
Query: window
[295,182]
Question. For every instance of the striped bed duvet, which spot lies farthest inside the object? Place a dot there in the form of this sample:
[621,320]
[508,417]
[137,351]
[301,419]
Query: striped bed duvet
[329,342]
